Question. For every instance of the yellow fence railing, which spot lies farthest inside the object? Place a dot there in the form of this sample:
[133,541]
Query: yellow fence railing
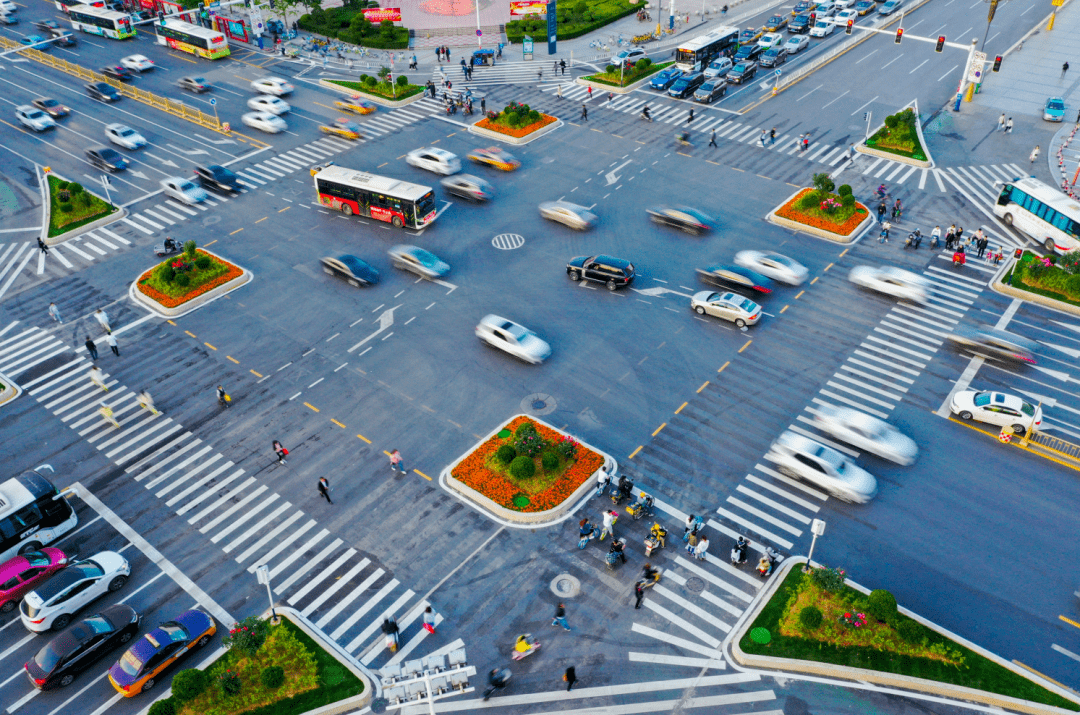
[1056,445]
[178,109]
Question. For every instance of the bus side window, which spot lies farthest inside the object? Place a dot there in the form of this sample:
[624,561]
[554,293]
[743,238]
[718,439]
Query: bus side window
[26,516]
[7,529]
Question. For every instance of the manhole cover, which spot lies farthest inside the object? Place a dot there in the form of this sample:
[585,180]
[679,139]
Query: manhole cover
[695,585]
[565,586]
[379,705]
[210,220]
[538,404]
[508,241]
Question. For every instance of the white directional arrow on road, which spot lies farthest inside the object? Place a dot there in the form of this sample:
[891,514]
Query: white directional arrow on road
[189,152]
[214,141]
[386,319]
[1059,374]
[166,162]
[611,177]
[138,174]
[1067,325]
[1071,352]
[659,291]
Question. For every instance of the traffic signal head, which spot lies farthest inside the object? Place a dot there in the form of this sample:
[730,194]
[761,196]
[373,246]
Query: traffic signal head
[997,63]
[899,34]
[940,43]
[850,24]
[813,18]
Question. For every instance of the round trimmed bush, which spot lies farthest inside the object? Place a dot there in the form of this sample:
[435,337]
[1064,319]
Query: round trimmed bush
[549,461]
[522,468]
[163,707]
[810,617]
[525,428]
[273,677]
[189,684]
[402,80]
[844,190]
[75,189]
[363,78]
[62,184]
[371,81]
[167,273]
[182,279]
[847,200]
[611,69]
[66,208]
[506,454]
[881,605]
[534,116]
[910,631]
[202,263]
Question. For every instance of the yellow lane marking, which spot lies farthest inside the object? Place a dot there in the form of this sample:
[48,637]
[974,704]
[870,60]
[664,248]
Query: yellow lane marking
[210,244]
[1016,443]
[634,453]
[360,436]
[791,184]
[678,152]
[256,374]
[703,386]
[170,322]
[190,333]
[844,252]
[285,209]
[764,177]
[185,59]
[337,423]
[657,430]
[332,109]
[210,346]
[236,231]
[262,219]
[714,162]
[681,407]
[313,407]
[744,347]
[828,267]
[383,164]
[815,280]
[738,169]
[422,474]
[230,358]
[1070,621]
[784,308]
[799,295]
[728,362]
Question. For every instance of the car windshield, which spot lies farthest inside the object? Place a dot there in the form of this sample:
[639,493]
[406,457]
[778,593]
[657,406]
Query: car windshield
[1055,104]
[782,260]
[49,103]
[126,132]
[1027,409]
[739,68]
[49,656]
[36,558]
[186,186]
[716,65]
[773,53]
[198,80]
[833,459]
[708,86]
[108,155]
[821,23]
[426,258]
[172,632]
[982,399]
[95,625]
[679,84]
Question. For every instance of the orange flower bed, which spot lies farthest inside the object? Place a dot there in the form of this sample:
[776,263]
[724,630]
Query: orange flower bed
[517,132]
[791,212]
[473,472]
[171,302]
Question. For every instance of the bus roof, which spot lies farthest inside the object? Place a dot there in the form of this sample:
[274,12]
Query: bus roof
[373,182]
[1050,196]
[704,40]
[22,490]
[189,28]
[97,11]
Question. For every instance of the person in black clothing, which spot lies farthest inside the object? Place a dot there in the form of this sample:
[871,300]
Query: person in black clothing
[570,677]
[881,212]
[562,66]
[617,548]
[324,489]
[639,593]
[91,348]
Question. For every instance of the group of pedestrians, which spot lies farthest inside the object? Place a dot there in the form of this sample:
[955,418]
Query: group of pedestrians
[466,69]
[442,53]
[1005,125]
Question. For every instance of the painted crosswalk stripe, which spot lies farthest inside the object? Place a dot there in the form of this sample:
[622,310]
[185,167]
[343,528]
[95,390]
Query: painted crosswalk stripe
[14,275]
[197,484]
[262,167]
[698,611]
[280,166]
[377,621]
[226,498]
[181,466]
[313,583]
[765,516]
[880,368]
[236,542]
[655,659]
[870,168]
[296,553]
[175,206]
[681,623]
[342,582]
[294,534]
[252,179]
[794,499]
[752,526]
[158,425]
[862,385]
[909,172]
[238,521]
[142,217]
[814,154]
[166,214]
[712,653]
[772,503]
[113,235]
[272,534]
[71,246]
[694,568]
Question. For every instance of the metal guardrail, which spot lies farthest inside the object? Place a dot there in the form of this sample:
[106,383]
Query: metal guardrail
[165,104]
[1060,447]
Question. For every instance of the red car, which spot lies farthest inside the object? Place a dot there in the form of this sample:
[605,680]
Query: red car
[22,574]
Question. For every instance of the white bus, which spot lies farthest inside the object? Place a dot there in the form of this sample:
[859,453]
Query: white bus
[379,197]
[696,54]
[100,21]
[183,36]
[1042,212]
[32,514]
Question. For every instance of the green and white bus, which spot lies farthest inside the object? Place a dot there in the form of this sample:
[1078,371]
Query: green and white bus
[100,21]
[1042,212]
[183,36]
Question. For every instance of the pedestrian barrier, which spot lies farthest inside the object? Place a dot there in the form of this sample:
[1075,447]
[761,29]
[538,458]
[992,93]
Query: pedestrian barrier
[165,104]
[1055,445]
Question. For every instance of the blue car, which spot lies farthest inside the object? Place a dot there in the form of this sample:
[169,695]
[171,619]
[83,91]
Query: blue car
[1054,111]
[31,40]
[665,78]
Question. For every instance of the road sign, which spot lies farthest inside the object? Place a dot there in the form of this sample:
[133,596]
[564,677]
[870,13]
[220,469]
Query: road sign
[777,73]
[212,101]
[975,70]
[479,33]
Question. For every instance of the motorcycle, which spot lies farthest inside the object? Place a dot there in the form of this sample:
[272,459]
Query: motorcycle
[622,490]
[451,108]
[497,680]
[649,576]
[773,558]
[615,553]
[738,552]
[642,507]
[645,116]
[167,248]
[526,645]
[881,192]
[959,259]
[655,540]
[586,536]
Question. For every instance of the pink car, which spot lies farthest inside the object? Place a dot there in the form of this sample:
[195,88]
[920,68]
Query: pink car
[22,574]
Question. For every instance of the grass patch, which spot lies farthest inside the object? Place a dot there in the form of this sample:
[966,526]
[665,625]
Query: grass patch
[899,136]
[380,89]
[639,72]
[576,18]
[1048,281]
[349,25]
[925,653]
[85,208]
[164,284]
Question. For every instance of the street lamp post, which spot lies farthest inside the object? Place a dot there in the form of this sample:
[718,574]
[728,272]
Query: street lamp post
[817,528]
[989,19]
[262,574]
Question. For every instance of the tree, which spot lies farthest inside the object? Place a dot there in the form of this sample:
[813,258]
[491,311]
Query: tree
[822,182]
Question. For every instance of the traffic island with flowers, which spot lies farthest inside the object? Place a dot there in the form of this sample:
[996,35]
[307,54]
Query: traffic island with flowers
[515,124]
[526,472]
[1052,280]
[821,623]
[378,89]
[820,212]
[182,283]
[900,139]
[265,667]
[629,79]
[8,390]
[72,210]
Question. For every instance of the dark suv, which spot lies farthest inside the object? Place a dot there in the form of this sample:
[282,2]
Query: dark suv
[748,52]
[217,177]
[103,91]
[772,58]
[800,25]
[615,272]
[742,72]
[685,85]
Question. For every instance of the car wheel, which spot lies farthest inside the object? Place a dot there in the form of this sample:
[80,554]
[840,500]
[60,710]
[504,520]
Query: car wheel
[700,310]
[8,607]
[1048,244]
[126,637]
[965,415]
[203,641]
[66,680]
[611,286]
[117,583]
[60,622]
[29,546]
[346,209]
[398,223]
[1019,430]
[789,472]
[740,323]
[575,276]
[147,685]
[1008,219]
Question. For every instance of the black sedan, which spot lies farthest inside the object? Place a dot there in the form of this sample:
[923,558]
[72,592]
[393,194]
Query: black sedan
[682,217]
[352,269]
[117,72]
[103,91]
[800,25]
[197,85]
[748,52]
[218,178]
[736,277]
[78,647]
[51,107]
[106,158]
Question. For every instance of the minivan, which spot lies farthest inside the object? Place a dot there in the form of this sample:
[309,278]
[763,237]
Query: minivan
[718,67]
[685,85]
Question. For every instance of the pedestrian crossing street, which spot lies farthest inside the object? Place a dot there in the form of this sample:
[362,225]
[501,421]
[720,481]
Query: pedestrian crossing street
[345,594]
[501,73]
[20,257]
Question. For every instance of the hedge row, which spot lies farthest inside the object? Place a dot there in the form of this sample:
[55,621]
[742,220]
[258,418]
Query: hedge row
[572,23]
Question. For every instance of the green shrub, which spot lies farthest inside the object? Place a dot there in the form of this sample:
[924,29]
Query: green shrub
[182,279]
[364,78]
[529,444]
[230,683]
[383,71]
[248,635]
[189,249]
[62,184]
[810,617]
[824,183]
[371,81]
[75,189]
[566,446]
[524,428]
[189,684]
[506,454]
[847,200]
[534,116]
[882,605]
[844,190]
[167,273]
[163,707]
[202,263]
[1072,284]
[522,468]
[892,121]
[611,69]
[910,631]
[402,80]
[66,208]
[811,200]
[63,196]
[272,678]
[828,579]
[549,461]
[1070,262]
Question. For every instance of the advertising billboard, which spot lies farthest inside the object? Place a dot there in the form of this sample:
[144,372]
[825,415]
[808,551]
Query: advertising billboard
[528,7]
[376,15]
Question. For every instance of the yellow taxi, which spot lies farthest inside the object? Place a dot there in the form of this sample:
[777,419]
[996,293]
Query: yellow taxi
[495,157]
[140,667]
[356,105]
[343,128]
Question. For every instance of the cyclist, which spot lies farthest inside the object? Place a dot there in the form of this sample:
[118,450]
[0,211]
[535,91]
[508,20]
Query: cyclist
[222,398]
[645,113]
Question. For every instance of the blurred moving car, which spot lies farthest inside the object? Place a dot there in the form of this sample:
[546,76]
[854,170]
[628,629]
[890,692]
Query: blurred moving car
[34,118]
[495,157]
[842,17]
[517,340]
[1054,109]
[803,458]
[736,277]
[416,260]
[272,85]
[106,158]
[613,272]
[137,63]
[117,72]
[353,270]
[102,91]
[47,25]
[198,85]
[773,265]
[21,574]
[434,159]
[996,408]
[864,432]
[890,6]
[628,56]
[265,122]
[124,136]
[729,306]
[356,105]
[268,103]
[51,107]
[52,604]
[684,218]
[988,340]
[63,38]
[36,41]
[342,127]
[183,190]
[568,214]
[892,281]
[81,645]
[218,178]
[139,668]
[469,187]
[865,7]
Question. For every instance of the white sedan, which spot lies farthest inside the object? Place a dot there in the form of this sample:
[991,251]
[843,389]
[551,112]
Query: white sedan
[125,136]
[803,458]
[996,408]
[866,433]
[770,40]
[568,214]
[264,121]
[272,85]
[892,281]
[137,63]
[52,604]
[729,306]
[822,28]
[434,159]
[796,44]
[268,103]
[34,118]
[774,265]
[508,336]
[842,17]
[184,190]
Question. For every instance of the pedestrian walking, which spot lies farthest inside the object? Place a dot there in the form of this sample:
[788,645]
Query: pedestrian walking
[146,401]
[959,235]
[570,677]
[761,138]
[42,247]
[701,548]
[1034,154]
[325,60]
[103,319]
[54,313]
[560,617]
[688,525]
[712,138]
[584,112]
[223,397]
[107,414]
[950,236]
[396,462]
[562,66]
[1001,122]
[806,141]
[429,620]
[1064,69]
[589,90]
[111,340]
[91,348]
[690,116]
[610,97]
[98,378]
[885,228]
[609,525]
[881,212]
[851,152]
[483,105]
[539,75]
[280,451]
[772,136]
[446,51]
[1008,125]
[324,489]
[558,92]
[639,593]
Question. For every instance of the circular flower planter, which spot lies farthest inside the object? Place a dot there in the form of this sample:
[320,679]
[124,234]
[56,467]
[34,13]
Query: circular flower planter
[790,216]
[171,307]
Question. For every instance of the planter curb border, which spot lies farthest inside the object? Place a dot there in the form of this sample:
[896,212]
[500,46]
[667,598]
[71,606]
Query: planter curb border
[111,218]
[515,519]
[862,147]
[392,103]
[772,218]
[516,141]
[998,285]
[137,296]
[10,391]
[615,90]
[904,685]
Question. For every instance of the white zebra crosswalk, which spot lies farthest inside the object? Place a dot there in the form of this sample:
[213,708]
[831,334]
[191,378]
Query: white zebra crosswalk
[975,181]
[18,257]
[501,73]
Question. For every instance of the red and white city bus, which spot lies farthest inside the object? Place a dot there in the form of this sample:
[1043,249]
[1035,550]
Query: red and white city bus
[379,197]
